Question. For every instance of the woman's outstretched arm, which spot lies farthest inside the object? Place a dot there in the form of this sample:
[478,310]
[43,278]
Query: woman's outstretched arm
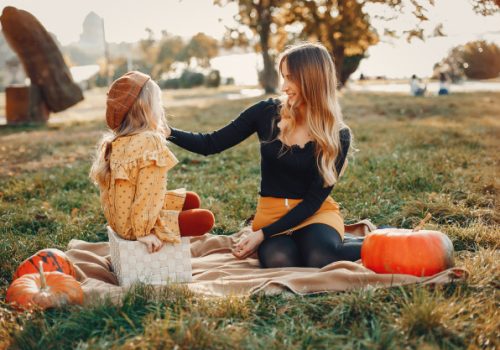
[228,136]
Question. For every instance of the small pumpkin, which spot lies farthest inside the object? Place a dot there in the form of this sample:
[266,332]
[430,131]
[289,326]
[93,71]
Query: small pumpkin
[414,252]
[53,260]
[44,290]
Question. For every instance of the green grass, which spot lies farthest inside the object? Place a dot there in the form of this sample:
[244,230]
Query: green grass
[415,155]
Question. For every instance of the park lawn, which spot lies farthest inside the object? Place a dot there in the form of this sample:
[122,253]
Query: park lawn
[415,155]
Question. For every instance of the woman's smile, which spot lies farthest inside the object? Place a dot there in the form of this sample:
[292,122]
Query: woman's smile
[289,87]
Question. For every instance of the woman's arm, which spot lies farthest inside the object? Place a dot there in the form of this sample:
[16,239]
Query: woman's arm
[314,197]
[230,135]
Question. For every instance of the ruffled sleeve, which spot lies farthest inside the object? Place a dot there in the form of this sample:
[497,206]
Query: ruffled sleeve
[160,156]
[131,154]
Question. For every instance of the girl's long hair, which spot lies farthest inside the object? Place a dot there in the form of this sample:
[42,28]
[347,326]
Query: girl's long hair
[146,114]
[311,68]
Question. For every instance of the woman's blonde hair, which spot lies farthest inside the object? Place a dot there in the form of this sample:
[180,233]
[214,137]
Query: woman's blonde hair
[311,68]
[146,114]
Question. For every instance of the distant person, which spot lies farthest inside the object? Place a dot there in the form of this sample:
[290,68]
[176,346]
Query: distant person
[303,145]
[444,86]
[131,170]
[416,87]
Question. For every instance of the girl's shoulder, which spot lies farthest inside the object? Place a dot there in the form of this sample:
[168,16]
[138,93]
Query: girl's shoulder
[144,141]
[142,149]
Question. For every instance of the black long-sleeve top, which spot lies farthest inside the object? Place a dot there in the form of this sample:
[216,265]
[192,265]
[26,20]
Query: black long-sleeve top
[291,174]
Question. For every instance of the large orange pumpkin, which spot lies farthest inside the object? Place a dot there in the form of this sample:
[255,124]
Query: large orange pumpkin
[413,252]
[53,260]
[44,290]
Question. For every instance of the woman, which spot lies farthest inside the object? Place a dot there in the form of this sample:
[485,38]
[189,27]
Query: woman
[444,86]
[416,87]
[304,144]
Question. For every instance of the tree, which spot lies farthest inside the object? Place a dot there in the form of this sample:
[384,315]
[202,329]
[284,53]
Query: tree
[171,49]
[203,48]
[340,25]
[158,56]
[212,79]
[452,65]
[474,60]
[344,26]
[259,16]
[481,60]
[486,7]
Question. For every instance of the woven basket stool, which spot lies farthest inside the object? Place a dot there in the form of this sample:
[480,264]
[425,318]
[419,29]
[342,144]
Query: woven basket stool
[133,263]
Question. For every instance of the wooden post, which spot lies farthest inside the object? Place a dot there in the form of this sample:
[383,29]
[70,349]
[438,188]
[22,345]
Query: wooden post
[24,104]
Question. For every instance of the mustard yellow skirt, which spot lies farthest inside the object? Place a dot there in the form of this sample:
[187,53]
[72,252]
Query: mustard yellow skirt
[270,209]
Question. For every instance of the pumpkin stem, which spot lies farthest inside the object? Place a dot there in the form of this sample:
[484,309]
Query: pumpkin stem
[422,222]
[43,281]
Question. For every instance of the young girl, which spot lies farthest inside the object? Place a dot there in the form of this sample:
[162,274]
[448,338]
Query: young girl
[303,144]
[131,169]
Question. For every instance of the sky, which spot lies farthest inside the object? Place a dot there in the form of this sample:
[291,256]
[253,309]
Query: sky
[126,20]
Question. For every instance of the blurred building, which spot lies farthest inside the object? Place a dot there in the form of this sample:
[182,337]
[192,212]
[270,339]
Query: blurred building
[90,46]
[92,37]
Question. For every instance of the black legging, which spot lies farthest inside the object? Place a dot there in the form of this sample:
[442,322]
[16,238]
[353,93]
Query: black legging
[315,245]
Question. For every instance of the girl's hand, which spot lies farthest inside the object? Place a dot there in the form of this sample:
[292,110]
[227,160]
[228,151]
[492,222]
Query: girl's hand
[152,242]
[249,244]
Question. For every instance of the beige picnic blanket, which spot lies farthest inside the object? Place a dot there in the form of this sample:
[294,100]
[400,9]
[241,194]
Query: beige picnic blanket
[216,272]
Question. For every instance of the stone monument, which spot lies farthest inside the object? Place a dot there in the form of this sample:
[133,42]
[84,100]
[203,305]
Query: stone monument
[52,88]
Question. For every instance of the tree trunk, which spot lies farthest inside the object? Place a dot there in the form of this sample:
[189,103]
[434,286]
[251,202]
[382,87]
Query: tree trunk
[41,58]
[269,76]
[24,104]
[351,64]
[338,59]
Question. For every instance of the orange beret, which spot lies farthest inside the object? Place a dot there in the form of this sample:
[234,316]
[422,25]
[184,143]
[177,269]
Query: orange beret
[121,96]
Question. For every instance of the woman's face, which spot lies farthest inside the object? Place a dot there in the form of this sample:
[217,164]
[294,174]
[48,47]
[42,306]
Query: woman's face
[291,89]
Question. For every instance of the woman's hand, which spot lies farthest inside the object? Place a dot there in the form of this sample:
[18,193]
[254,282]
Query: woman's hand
[152,242]
[249,244]
[167,131]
